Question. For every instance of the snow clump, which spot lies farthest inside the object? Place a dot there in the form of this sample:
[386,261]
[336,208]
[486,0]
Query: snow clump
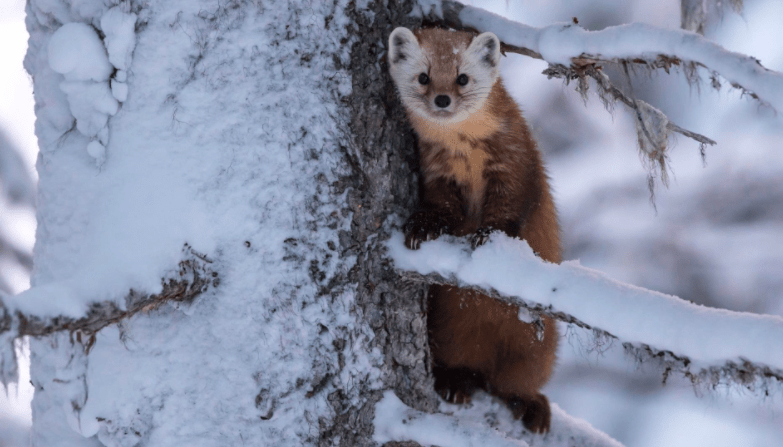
[91,103]
[119,90]
[76,52]
[97,151]
[119,28]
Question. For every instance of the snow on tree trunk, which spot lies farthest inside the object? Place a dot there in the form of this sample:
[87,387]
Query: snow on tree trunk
[223,125]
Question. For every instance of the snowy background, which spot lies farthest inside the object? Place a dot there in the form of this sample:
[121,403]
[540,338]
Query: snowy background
[715,239]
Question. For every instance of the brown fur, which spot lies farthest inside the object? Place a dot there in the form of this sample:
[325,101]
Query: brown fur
[482,174]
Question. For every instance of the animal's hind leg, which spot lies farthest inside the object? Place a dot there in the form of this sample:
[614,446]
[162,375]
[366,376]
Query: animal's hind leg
[523,369]
[534,411]
[457,385]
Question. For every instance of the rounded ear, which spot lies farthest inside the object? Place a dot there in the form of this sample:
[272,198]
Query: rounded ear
[402,44]
[486,49]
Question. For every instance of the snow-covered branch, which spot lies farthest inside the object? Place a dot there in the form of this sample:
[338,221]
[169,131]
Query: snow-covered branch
[571,45]
[708,346]
[458,426]
[394,421]
[193,278]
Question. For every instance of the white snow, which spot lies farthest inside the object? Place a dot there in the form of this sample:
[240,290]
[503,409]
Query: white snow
[97,151]
[633,314]
[76,52]
[120,39]
[425,7]
[119,90]
[526,316]
[557,43]
[485,422]
[394,421]
[91,103]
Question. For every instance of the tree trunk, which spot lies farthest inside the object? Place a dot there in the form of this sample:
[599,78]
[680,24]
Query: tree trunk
[384,189]
[241,139]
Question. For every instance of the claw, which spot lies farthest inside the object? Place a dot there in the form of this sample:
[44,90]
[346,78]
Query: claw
[423,226]
[480,237]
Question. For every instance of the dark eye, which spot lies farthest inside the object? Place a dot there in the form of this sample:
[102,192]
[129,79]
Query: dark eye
[424,79]
[462,79]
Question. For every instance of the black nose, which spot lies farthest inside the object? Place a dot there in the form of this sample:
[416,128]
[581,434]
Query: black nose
[442,101]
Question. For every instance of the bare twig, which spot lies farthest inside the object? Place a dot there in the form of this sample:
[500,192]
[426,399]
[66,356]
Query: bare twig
[605,85]
[652,142]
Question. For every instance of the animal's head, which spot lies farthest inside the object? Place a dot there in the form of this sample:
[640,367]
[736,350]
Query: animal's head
[443,75]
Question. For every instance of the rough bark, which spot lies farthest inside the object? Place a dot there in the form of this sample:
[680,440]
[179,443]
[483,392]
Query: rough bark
[384,188]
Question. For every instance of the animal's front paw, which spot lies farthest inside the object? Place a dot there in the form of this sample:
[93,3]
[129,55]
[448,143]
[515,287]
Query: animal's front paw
[423,226]
[480,237]
[456,386]
[534,412]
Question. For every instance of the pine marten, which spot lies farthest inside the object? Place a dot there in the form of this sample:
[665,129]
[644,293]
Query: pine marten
[481,172]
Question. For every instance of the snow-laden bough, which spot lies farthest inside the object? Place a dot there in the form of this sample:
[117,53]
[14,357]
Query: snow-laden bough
[709,346]
[484,423]
[193,277]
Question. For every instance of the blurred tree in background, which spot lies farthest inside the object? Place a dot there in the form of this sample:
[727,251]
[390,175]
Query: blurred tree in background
[17,191]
